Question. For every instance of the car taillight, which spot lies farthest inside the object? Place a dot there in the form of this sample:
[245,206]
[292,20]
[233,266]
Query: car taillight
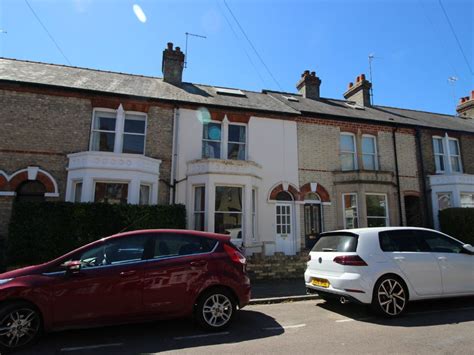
[235,255]
[350,260]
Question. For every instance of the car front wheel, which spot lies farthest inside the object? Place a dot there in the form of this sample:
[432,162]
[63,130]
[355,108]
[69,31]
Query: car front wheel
[20,325]
[390,296]
[215,309]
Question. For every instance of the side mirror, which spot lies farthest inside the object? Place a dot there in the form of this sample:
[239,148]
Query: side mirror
[469,248]
[73,267]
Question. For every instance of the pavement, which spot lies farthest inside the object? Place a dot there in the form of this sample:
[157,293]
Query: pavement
[307,327]
[276,291]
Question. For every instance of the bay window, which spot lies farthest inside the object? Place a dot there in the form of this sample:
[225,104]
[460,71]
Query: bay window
[199,207]
[350,210]
[467,199]
[228,211]
[145,192]
[377,214]
[111,192]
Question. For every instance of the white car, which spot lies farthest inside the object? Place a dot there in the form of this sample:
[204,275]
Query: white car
[387,267]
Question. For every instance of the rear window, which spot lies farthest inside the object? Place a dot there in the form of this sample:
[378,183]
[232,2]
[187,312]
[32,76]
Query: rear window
[336,243]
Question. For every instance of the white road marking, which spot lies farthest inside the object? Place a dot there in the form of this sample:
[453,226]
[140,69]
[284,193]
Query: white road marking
[91,347]
[201,336]
[286,327]
[408,314]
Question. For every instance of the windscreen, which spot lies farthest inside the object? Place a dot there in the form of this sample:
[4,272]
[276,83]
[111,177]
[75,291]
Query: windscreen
[336,243]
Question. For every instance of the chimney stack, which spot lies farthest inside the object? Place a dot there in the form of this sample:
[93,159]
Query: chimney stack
[465,108]
[308,85]
[172,65]
[360,91]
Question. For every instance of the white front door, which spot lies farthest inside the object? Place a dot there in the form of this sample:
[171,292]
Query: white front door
[285,241]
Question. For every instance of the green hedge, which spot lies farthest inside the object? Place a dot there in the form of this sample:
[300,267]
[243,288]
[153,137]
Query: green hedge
[459,223]
[42,231]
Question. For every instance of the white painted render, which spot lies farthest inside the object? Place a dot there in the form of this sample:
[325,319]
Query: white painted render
[272,159]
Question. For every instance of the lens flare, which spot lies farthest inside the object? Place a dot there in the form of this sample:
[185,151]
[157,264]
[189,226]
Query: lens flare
[203,115]
[139,13]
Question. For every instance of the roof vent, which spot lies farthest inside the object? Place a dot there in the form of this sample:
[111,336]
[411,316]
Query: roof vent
[291,98]
[230,92]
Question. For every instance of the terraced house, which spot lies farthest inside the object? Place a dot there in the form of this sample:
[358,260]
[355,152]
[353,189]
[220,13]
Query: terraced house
[271,169]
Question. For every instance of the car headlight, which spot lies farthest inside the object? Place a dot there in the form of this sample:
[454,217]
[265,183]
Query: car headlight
[4,281]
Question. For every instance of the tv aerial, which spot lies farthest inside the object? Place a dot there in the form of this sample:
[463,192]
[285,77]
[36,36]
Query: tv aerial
[186,47]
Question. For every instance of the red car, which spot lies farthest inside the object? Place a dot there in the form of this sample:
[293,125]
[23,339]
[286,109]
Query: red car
[128,277]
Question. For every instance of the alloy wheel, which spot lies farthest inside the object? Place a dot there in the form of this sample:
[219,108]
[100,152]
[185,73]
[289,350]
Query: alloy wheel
[391,297]
[19,327]
[217,310]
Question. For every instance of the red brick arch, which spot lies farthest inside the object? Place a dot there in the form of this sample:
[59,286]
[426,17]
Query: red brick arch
[320,190]
[22,175]
[279,188]
[3,182]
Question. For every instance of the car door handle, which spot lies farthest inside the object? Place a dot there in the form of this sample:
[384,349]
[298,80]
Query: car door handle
[128,273]
[198,263]
[399,258]
[442,258]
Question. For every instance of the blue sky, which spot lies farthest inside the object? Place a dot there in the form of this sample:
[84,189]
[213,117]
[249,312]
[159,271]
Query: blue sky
[415,50]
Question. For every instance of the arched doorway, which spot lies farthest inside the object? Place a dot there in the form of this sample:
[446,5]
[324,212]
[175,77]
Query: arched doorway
[285,234]
[313,225]
[31,191]
[413,211]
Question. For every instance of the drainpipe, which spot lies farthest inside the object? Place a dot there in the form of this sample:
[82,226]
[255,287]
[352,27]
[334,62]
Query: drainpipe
[426,219]
[174,156]
[400,218]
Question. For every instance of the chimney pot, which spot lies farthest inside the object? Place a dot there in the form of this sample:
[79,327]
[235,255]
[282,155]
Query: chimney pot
[172,65]
[359,92]
[308,85]
[472,94]
[465,108]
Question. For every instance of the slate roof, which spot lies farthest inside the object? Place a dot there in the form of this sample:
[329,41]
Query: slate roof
[133,85]
[341,108]
[21,71]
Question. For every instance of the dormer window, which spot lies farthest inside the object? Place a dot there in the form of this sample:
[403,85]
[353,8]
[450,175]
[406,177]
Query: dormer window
[118,131]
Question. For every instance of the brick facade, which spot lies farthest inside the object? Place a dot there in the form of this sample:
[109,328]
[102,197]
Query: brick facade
[319,162]
[41,127]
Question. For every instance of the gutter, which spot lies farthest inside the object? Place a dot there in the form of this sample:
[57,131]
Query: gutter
[397,172]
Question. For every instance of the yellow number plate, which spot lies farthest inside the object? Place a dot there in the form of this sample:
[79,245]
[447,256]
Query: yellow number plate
[320,282]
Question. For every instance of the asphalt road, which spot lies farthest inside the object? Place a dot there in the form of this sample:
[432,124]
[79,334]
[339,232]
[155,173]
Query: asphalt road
[307,327]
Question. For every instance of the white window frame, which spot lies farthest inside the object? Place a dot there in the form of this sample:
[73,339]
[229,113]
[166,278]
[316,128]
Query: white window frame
[354,153]
[102,181]
[231,142]
[460,198]
[446,155]
[451,201]
[374,154]
[150,194]
[144,134]
[242,213]
[452,155]
[254,212]
[344,208]
[73,190]
[387,214]
[224,141]
[120,116]
[194,206]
